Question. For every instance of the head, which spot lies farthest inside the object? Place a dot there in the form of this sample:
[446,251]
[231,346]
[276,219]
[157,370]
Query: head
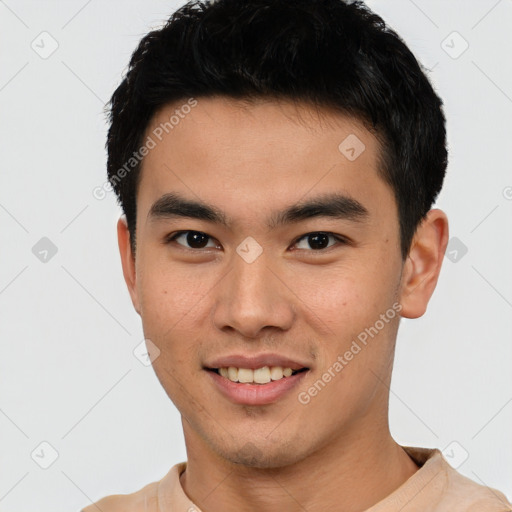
[277,163]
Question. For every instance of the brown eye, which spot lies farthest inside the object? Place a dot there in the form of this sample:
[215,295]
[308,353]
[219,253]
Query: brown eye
[194,239]
[318,240]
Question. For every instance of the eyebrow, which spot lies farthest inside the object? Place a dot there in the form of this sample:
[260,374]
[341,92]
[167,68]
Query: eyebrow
[334,205]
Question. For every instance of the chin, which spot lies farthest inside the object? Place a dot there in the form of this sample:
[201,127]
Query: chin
[261,454]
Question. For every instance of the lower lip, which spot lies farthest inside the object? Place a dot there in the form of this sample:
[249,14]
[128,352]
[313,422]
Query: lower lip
[256,394]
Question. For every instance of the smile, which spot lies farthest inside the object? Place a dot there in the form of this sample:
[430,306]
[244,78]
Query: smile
[246,386]
[262,375]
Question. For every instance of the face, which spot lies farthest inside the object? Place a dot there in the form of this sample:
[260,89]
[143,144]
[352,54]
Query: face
[291,261]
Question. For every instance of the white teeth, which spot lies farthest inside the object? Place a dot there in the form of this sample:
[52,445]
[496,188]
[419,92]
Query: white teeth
[245,375]
[261,375]
[276,372]
[233,374]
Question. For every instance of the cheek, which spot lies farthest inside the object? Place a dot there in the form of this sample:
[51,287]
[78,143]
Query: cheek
[344,307]
[172,295]
[347,296]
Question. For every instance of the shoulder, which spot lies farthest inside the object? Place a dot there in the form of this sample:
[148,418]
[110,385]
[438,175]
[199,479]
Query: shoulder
[475,496]
[445,489]
[167,491]
[144,500]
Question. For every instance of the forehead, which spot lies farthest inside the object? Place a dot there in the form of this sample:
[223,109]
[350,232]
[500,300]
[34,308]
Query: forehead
[238,122]
[246,153]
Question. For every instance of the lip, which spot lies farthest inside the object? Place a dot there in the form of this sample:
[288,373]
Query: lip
[256,361]
[255,394]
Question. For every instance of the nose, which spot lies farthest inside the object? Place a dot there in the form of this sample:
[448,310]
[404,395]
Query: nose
[253,297]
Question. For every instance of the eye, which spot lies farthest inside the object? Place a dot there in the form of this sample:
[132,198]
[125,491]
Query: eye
[316,241]
[319,240]
[195,239]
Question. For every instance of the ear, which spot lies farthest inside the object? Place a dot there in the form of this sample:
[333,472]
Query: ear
[127,261]
[423,264]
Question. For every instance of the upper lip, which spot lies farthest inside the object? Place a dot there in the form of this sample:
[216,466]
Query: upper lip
[255,361]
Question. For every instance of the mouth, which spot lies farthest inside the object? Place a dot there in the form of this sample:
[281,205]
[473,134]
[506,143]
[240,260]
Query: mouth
[260,376]
[256,381]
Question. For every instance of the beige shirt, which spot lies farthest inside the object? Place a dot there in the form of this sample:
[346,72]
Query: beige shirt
[435,487]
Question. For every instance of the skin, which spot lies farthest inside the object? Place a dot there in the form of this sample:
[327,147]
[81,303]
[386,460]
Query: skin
[248,160]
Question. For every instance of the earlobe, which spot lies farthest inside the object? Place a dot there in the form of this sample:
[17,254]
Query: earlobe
[127,260]
[423,264]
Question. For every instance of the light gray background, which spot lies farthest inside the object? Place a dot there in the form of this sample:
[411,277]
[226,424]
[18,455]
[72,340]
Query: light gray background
[67,370]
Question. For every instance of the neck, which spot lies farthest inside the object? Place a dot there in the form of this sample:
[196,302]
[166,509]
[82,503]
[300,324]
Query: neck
[350,475]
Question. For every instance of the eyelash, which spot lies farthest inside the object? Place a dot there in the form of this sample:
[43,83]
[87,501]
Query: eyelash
[341,240]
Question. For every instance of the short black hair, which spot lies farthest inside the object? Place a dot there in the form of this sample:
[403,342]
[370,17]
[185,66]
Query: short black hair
[328,53]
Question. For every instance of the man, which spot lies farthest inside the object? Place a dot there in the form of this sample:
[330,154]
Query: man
[277,162]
